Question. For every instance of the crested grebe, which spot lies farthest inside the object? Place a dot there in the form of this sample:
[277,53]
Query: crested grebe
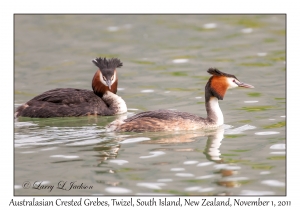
[167,120]
[67,102]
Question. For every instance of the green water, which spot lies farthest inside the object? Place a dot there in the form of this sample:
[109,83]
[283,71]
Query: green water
[165,59]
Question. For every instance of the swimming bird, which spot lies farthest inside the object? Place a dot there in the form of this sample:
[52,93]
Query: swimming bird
[167,120]
[68,102]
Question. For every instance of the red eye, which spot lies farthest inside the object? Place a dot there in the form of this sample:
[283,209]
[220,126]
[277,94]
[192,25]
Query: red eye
[233,80]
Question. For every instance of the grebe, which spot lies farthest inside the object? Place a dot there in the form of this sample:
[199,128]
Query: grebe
[67,102]
[167,120]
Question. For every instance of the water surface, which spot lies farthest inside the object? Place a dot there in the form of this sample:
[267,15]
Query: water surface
[165,60]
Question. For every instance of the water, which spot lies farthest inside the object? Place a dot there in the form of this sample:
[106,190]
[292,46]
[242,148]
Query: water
[165,60]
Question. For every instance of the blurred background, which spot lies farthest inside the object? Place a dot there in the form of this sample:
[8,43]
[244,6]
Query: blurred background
[165,59]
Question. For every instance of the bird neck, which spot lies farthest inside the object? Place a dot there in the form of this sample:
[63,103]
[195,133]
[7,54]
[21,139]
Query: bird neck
[214,113]
[99,88]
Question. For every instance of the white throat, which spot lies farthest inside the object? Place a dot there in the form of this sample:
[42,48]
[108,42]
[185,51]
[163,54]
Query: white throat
[115,102]
[214,111]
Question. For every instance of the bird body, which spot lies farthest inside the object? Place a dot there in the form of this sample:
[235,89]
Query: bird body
[167,120]
[69,102]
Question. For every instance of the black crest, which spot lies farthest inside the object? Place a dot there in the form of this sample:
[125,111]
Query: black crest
[217,72]
[103,63]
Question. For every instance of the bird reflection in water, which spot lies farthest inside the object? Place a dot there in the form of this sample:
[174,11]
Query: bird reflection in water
[212,152]
[108,151]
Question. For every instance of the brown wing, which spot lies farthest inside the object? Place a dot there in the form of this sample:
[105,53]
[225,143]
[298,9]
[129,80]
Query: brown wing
[164,115]
[160,120]
[63,102]
[64,96]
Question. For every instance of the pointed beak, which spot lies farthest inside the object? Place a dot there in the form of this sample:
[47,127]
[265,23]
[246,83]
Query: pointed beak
[241,84]
[108,82]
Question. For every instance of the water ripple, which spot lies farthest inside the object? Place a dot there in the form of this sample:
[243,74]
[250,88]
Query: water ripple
[24,124]
[199,189]
[261,54]
[264,172]
[113,28]
[278,153]
[154,154]
[208,189]
[273,183]
[65,156]
[184,174]
[249,102]
[28,152]
[220,166]
[49,135]
[117,190]
[277,146]
[266,133]
[85,142]
[233,167]
[49,148]
[192,188]
[210,25]
[235,178]
[177,169]
[147,91]
[132,109]
[180,60]
[206,176]
[165,180]
[247,30]
[190,162]
[205,164]
[254,192]
[240,129]
[119,162]
[155,186]
[134,140]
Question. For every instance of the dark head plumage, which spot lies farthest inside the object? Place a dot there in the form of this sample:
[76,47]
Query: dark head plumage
[105,79]
[216,85]
[217,72]
[219,82]
[103,63]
